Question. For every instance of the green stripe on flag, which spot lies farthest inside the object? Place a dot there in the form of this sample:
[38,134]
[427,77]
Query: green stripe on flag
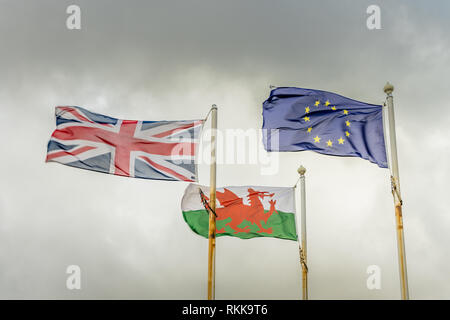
[282,224]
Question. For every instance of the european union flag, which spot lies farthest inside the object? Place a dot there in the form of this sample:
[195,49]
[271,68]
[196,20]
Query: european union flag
[299,119]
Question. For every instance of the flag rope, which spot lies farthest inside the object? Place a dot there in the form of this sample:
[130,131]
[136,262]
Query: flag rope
[302,258]
[207,115]
[212,204]
[205,203]
[209,112]
[394,190]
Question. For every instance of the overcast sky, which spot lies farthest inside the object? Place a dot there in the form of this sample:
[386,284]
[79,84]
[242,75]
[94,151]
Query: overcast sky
[167,60]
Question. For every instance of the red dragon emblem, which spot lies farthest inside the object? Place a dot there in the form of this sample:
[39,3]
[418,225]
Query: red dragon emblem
[233,207]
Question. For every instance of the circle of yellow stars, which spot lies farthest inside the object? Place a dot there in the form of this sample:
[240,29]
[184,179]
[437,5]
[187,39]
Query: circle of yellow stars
[317,139]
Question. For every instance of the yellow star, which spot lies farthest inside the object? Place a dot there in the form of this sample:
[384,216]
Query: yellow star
[317,139]
[341,141]
[347,123]
[309,130]
[317,103]
[307,109]
[345,112]
[333,108]
[306,119]
[347,133]
[329,143]
[327,103]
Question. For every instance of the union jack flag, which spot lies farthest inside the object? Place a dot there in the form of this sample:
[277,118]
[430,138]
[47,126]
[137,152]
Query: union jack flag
[160,150]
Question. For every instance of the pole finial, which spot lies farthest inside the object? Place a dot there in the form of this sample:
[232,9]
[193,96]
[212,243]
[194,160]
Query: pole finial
[388,88]
[213,106]
[301,170]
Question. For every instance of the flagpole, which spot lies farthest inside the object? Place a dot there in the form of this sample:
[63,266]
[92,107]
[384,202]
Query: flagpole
[395,184]
[212,204]
[302,247]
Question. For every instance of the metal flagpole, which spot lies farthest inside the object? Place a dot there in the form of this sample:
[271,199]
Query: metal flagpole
[395,184]
[212,204]
[302,246]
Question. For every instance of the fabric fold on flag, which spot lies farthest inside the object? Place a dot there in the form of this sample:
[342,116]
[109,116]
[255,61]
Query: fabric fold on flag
[244,211]
[159,150]
[297,119]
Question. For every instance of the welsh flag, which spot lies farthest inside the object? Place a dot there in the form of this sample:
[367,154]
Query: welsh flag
[244,212]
